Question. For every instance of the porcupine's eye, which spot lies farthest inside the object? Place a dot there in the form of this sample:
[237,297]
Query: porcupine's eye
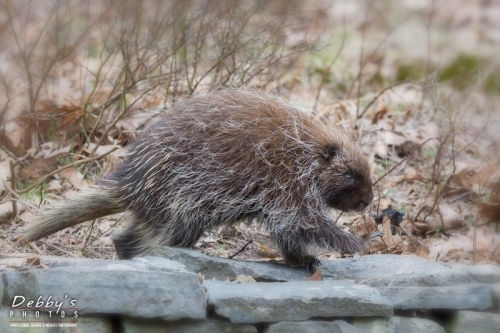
[349,177]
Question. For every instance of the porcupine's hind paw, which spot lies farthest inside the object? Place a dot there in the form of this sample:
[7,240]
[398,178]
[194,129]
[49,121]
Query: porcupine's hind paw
[127,244]
[310,263]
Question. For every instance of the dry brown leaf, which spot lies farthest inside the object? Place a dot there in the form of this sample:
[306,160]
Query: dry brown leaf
[208,239]
[388,240]
[54,186]
[266,252]
[451,219]
[35,261]
[4,170]
[380,149]
[407,148]
[48,119]
[317,276]
[74,177]
[133,120]
[39,168]
[49,149]
[471,179]
[412,174]
[379,115]
[412,245]
[114,158]
[461,194]
[15,137]
[488,176]
[361,224]
[406,226]
[12,131]
[337,112]
[5,212]
[422,251]
[47,111]
[446,219]
[384,203]
[481,242]
[489,211]
[244,279]
[464,179]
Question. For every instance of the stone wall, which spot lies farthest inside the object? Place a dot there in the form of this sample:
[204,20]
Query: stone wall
[181,290]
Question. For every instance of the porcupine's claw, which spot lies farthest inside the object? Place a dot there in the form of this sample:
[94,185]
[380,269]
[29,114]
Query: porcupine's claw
[311,263]
[374,235]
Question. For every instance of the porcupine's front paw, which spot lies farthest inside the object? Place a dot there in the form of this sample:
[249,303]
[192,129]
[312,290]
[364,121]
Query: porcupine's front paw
[373,236]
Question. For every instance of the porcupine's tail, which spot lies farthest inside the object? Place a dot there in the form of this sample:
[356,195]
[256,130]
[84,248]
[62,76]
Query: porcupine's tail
[87,205]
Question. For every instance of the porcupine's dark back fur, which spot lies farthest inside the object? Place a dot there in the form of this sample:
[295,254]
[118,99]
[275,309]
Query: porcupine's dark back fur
[224,157]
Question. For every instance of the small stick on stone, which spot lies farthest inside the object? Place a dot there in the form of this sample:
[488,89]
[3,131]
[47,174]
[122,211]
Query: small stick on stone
[242,249]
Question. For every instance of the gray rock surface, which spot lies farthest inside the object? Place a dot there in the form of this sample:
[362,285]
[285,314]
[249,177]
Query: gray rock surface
[454,298]
[204,326]
[495,293]
[338,326]
[155,294]
[139,263]
[397,325]
[223,269]
[134,288]
[294,301]
[383,270]
[468,321]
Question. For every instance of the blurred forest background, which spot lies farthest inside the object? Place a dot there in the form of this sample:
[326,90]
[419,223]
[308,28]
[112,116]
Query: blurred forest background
[417,81]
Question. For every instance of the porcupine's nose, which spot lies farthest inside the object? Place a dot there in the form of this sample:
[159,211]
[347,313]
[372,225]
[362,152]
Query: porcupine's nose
[365,201]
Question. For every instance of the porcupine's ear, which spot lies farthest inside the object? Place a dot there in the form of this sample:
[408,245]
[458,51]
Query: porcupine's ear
[330,151]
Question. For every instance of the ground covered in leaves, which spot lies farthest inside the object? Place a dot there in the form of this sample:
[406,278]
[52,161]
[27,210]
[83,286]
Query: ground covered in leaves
[416,82]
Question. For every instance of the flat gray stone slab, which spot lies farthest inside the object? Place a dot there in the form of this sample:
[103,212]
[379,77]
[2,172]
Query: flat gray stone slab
[495,293]
[338,326]
[398,325]
[374,270]
[399,270]
[294,301]
[117,287]
[223,269]
[139,263]
[468,321]
[202,326]
[449,298]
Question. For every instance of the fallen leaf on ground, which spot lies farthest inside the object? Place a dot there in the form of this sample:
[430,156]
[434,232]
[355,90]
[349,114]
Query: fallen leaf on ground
[74,177]
[244,279]
[317,276]
[446,219]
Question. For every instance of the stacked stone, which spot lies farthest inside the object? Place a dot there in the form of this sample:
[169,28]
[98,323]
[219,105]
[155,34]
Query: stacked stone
[181,290]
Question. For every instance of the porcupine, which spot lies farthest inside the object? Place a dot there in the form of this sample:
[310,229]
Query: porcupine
[221,158]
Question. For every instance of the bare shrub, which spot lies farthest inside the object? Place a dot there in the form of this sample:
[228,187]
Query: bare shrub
[123,50]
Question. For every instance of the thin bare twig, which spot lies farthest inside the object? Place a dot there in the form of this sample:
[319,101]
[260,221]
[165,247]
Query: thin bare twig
[241,250]
[44,178]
